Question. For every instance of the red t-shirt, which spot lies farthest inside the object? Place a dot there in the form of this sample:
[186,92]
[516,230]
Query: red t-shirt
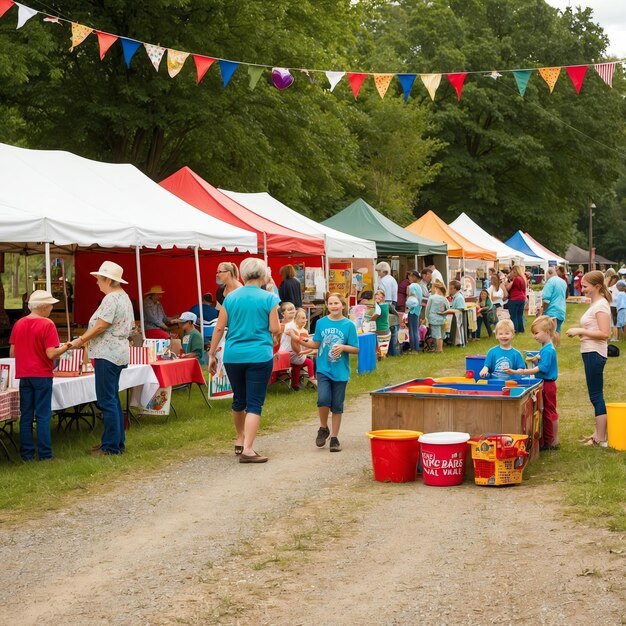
[31,336]
[517,289]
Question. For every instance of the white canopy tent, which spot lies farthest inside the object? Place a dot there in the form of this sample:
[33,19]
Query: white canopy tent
[61,200]
[551,257]
[467,227]
[338,245]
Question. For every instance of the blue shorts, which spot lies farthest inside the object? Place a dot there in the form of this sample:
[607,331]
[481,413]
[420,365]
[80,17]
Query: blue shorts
[331,393]
[621,318]
[436,332]
[249,382]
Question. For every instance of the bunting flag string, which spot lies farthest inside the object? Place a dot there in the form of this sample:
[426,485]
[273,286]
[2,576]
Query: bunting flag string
[382,80]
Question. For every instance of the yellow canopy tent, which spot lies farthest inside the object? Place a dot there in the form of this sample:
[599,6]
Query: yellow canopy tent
[433,227]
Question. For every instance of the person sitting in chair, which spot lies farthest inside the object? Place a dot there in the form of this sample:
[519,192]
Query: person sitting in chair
[193,345]
[156,323]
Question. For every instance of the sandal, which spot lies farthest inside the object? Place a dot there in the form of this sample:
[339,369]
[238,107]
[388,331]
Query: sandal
[585,439]
[238,450]
[595,442]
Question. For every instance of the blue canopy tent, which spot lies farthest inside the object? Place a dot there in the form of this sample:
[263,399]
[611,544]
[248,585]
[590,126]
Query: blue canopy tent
[517,242]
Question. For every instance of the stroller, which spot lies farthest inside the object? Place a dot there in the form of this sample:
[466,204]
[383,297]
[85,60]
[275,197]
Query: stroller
[426,341]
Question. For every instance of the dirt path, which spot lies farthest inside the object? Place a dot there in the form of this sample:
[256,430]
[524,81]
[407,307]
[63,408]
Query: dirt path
[310,538]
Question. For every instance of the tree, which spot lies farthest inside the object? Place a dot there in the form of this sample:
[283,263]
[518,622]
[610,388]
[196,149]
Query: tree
[511,162]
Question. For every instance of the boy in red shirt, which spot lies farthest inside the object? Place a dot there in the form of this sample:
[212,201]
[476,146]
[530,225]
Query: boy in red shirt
[34,344]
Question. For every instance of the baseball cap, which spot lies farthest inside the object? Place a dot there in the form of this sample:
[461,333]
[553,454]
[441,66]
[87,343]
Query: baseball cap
[188,316]
[622,270]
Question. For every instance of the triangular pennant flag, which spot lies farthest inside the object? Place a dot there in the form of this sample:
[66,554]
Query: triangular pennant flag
[79,34]
[550,75]
[457,80]
[5,5]
[202,65]
[382,82]
[407,80]
[431,82]
[53,20]
[228,69]
[334,78]
[606,70]
[577,74]
[175,61]
[130,46]
[356,82]
[155,54]
[254,72]
[106,41]
[24,14]
[521,78]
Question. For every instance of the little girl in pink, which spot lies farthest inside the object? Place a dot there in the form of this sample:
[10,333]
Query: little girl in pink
[295,328]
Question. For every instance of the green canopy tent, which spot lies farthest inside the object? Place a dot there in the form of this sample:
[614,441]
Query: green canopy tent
[361,220]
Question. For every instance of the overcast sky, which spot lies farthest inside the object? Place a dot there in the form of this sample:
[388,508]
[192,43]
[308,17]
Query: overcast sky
[610,14]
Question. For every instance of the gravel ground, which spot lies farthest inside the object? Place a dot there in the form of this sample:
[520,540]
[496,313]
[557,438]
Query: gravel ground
[309,538]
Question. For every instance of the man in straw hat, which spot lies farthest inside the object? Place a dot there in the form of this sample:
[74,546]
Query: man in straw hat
[34,344]
[156,323]
[108,331]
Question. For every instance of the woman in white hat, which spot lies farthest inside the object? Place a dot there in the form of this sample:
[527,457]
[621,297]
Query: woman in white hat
[108,331]
[34,344]
[156,323]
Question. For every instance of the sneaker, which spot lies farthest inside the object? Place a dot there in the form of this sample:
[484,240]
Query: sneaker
[322,435]
[335,446]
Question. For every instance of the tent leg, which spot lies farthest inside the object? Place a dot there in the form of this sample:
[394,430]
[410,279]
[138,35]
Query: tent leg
[140,290]
[48,271]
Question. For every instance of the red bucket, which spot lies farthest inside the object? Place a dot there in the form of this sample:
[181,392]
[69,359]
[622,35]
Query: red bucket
[443,458]
[395,455]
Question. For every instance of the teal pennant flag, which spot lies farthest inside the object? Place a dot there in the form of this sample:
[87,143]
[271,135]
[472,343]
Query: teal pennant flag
[521,78]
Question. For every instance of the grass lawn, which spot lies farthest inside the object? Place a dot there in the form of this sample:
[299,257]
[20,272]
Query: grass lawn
[593,479]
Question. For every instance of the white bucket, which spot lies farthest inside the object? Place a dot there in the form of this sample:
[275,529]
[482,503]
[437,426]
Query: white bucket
[444,438]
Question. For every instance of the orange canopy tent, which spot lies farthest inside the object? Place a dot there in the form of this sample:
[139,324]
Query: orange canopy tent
[433,227]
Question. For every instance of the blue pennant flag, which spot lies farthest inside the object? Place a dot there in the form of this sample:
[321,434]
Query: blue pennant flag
[228,69]
[129,46]
[406,80]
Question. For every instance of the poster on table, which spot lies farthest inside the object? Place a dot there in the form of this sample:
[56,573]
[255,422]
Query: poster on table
[219,385]
[340,279]
[5,376]
[300,275]
[159,404]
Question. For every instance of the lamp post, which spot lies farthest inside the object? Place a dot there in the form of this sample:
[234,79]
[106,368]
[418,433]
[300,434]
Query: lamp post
[592,206]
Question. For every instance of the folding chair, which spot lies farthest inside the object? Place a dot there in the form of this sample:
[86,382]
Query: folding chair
[281,372]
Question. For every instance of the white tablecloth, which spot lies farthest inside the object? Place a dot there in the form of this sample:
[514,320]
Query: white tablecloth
[68,392]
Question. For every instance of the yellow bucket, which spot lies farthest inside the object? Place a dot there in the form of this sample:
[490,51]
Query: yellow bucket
[616,423]
[394,434]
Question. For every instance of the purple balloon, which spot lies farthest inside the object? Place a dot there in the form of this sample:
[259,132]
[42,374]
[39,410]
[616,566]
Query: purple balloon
[281,78]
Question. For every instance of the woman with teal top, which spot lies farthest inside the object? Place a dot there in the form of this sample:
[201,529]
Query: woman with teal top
[485,312]
[251,315]
[413,305]
[436,312]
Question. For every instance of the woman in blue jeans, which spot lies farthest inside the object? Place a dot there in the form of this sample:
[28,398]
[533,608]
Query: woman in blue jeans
[107,334]
[516,287]
[594,332]
[251,315]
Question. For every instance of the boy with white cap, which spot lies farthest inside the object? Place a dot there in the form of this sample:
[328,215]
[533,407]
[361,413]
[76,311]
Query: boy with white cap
[34,344]
[193,345]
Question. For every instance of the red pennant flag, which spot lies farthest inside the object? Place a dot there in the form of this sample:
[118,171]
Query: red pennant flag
[356,82]
[202,65]
[457,80]
[106,41]
[5,5]
[577,74]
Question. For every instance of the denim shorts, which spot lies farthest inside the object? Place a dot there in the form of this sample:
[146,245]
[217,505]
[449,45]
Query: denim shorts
[436,331]
[559,323]
[331,393]
[249,382]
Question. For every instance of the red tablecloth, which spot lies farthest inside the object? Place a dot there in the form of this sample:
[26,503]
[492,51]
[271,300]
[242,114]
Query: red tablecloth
[178,372]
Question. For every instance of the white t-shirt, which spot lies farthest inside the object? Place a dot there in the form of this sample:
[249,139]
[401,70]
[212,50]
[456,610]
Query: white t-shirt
[389,285]
[496,295]
[285,339]
[589,322]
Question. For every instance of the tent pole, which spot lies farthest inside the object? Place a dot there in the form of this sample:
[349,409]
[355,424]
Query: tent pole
[415,261]
[48,273]
[327,266]
[140,289]
[265,247]
[199,284]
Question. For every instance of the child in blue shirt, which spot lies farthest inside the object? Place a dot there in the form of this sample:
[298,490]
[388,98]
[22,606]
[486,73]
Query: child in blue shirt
[503,357]
[546,368]
[620,305]
[335,338]
[436,312]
